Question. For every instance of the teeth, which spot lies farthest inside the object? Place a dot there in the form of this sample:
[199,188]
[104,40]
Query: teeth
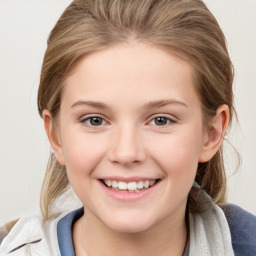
[108,183]
[152,182]
[130,186]
[140,185]
[114,184]
[146,184]
[122,185]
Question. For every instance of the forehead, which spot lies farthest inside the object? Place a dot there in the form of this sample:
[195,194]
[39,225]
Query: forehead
[135,70]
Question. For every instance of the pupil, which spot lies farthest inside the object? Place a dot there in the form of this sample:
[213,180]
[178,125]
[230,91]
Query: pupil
[161,120]
[96,121]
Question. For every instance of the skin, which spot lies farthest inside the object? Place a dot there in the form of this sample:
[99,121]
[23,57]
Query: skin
[130,143]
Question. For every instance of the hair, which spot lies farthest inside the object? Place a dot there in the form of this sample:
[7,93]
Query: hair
[182,27]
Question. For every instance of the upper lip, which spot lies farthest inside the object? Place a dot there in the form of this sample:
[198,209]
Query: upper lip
[128,179]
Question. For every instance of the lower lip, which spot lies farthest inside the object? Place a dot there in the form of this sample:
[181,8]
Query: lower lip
[128,196]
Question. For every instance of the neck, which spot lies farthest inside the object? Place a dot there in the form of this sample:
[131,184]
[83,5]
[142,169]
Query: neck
[168,237]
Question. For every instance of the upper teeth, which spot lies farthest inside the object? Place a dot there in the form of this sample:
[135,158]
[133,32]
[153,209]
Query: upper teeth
[131,186]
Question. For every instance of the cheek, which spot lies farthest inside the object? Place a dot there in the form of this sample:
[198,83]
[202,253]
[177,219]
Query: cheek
[82,153]
[178,154]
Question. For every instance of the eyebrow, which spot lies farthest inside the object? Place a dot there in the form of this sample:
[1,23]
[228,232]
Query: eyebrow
[162,103]
[95,104]
[149,105]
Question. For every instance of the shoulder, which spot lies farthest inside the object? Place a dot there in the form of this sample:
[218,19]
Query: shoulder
[24,232]
[6,228]
[242,226]
[32,233]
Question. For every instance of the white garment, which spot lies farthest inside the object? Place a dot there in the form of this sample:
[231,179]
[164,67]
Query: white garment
[209,235]
[30,229]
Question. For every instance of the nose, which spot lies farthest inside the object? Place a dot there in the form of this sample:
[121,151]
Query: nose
[127,146]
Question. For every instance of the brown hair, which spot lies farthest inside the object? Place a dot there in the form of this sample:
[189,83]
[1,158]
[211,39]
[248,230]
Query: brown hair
[184,27]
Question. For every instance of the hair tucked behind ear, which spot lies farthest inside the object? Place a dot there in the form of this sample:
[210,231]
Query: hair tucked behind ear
[183,27]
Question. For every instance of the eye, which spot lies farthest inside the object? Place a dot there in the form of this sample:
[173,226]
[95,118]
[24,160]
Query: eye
[93,121]
[161,121]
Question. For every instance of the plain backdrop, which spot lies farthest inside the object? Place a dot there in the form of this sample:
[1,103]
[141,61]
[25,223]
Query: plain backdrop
[24,149]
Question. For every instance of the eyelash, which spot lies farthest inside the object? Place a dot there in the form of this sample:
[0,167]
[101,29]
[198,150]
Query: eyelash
[90,118]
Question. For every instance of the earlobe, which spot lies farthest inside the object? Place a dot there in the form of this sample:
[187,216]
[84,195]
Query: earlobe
[215,134]
[53,136]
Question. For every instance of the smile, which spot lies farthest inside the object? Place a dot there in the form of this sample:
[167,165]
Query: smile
[132,186]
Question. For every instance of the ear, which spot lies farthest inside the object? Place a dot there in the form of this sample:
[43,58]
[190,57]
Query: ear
[53,136]
[214,135]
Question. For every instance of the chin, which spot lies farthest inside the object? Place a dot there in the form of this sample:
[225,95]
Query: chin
[128,224]
[123,228]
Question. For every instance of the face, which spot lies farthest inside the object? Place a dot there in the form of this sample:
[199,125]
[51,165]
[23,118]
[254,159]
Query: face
[130,134]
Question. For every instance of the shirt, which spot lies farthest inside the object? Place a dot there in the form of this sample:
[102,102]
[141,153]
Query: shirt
[64,233]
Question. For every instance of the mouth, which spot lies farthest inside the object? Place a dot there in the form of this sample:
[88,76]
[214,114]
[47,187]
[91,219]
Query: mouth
[132,186]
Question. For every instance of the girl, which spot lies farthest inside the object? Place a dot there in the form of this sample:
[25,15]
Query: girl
[136,98]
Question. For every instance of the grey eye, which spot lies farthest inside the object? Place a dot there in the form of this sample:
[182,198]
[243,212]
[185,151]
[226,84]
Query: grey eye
[94,121]
[161,121]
